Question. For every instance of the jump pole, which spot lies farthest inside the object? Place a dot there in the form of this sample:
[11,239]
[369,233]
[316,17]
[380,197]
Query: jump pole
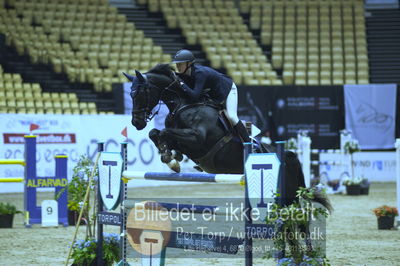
[32,182]
[184,177]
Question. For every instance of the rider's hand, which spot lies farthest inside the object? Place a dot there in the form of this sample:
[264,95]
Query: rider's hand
[182,84]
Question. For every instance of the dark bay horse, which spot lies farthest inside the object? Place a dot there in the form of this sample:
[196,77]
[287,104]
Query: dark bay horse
[194,129]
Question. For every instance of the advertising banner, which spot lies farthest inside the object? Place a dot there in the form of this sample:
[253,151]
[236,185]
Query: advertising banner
[376,166]
[371,114]
[75,135]
[316,109]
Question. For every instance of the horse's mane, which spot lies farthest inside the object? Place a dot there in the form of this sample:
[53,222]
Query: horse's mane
[162,69]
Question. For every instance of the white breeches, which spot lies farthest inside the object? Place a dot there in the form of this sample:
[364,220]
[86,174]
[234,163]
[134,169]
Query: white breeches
[231,105]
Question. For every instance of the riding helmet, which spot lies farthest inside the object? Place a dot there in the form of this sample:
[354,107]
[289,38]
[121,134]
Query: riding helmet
[183,56]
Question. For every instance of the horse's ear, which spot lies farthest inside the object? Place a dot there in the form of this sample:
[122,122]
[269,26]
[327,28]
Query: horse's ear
[129,77]
[140,76]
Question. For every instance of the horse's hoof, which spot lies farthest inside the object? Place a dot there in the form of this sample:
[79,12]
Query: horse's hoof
[174,166]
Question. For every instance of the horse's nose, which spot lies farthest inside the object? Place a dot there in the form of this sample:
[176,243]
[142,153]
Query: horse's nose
[138,123]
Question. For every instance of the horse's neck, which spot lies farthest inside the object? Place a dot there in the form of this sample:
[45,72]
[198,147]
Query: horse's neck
[173,97]
[174,100]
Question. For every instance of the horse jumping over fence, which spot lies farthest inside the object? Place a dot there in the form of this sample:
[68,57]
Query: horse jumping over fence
[193,129]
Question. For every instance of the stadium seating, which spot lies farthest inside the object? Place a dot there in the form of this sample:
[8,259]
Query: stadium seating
[17,96]
[313,41]
[218,27]
[87,40]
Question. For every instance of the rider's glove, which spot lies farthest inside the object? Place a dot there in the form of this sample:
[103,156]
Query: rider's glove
[182,85]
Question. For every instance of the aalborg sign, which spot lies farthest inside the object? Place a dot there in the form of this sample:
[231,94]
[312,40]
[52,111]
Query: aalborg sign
[110,172]
[262,172]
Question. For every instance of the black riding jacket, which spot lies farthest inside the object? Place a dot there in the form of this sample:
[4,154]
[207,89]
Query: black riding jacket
[202,78]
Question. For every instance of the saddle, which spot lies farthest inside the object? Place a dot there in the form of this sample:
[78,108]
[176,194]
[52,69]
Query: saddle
[226,124]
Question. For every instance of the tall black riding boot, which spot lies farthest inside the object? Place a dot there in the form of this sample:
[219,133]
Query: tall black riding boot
[242,131]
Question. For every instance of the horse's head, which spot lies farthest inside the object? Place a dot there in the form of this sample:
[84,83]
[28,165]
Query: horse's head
[148,89]
[144,98]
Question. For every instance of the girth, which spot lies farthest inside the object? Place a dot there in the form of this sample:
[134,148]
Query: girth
[208,159]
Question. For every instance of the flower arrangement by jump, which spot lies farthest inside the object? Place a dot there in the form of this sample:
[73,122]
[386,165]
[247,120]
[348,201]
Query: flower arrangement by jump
[386,211]
[84,252]
[351,147]
[305,262]
[77,189]
[80,181]
[353,181]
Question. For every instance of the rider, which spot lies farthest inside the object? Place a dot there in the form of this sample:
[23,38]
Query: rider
[197,78]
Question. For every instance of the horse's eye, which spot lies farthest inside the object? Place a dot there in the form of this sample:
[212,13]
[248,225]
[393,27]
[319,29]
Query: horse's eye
[134,93]
[135,90]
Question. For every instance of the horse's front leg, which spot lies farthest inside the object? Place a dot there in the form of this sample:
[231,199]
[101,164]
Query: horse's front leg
[154,135]
[166,150]
[186,137]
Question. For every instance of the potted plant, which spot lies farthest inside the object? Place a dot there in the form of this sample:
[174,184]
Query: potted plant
[76,190]
[84,251]
[7,212]
[385,215]
[353,186]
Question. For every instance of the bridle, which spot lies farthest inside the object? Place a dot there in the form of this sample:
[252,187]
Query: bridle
[149,115]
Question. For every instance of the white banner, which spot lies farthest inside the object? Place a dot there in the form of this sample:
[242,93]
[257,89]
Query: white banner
[370,114]
[75,135]
[127,97]
[376,166]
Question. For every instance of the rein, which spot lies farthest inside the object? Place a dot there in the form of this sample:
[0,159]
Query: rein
[151,115]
